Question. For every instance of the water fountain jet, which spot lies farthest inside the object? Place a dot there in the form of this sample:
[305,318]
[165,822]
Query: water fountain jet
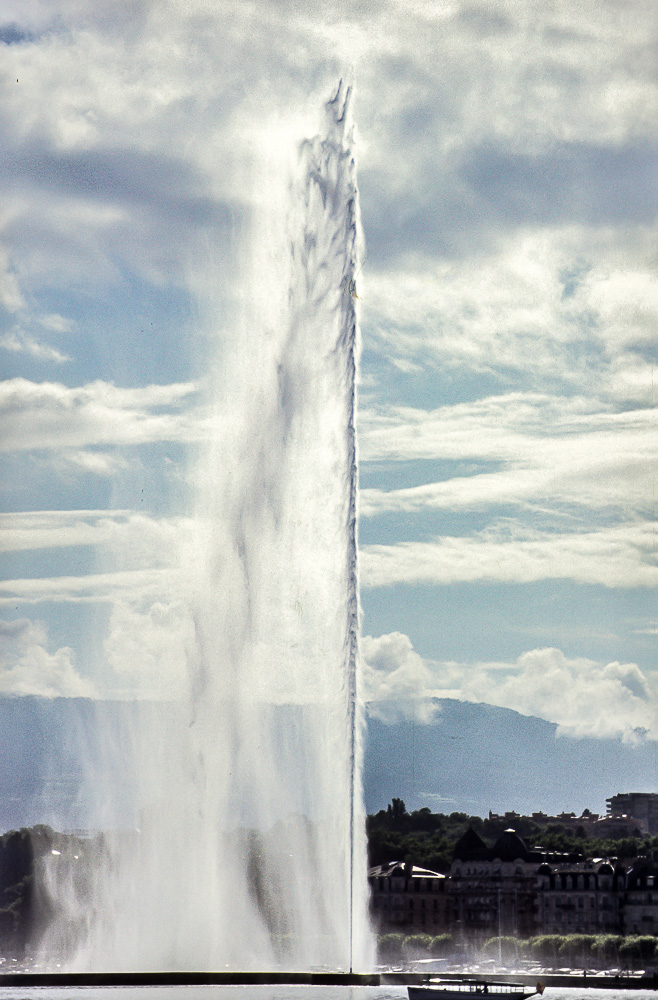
[251,849]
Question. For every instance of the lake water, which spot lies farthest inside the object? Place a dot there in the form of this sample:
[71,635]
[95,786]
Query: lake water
[274,993]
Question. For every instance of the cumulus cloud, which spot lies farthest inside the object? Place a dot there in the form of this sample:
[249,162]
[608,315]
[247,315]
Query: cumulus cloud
[395,679]
[147,646]
[618,556]
[145,655]
[584,697]
[28,668]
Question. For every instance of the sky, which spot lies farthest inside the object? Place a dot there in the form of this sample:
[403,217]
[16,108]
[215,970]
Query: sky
[508,296]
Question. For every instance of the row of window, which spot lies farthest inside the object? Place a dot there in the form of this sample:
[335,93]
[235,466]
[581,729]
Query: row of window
[416,885]
[396,902]
[577,882]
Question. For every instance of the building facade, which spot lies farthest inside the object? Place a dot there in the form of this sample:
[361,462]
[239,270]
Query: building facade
[511,889]
[640,902]
[642,807]
[406,898]
[492,889]
[581,898]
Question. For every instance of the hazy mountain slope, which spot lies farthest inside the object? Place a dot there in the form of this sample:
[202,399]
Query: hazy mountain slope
[472,758]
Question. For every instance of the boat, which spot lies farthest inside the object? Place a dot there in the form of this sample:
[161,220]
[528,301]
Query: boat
[468,989]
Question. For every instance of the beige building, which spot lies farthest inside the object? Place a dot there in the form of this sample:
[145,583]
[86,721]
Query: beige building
[409,899]
[582,898]
[492,888]
[640,905]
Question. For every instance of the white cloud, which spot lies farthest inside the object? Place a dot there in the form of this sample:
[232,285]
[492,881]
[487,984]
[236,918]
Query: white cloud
[626,302]
[30,530]
[21,343]
[209,81]
[500,427]
[28,668]
[584,697]
[48,415]
[395,679]
[10,294]
[90,588]
[551,451]
[560,304]
[141,539]
[147,647]
[131,125]
[96,462]
[150,627]
[53,321]
[618,556]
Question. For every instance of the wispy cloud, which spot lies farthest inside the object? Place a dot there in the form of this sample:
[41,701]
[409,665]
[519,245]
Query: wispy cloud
[48,415]
[90,588]
[21,343]
[551,451]
[11,298]
[137,536]
[619,556]
[562,307]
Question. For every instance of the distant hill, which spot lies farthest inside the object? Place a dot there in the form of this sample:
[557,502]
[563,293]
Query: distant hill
[46,752]
[477,757]
[471,759]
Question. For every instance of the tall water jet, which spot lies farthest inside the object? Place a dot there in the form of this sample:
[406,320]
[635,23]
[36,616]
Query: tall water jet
[250,851]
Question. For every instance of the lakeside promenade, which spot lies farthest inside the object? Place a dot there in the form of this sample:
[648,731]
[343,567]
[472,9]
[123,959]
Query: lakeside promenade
[626,981]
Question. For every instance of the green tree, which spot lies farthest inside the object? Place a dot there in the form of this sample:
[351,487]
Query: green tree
[389,947]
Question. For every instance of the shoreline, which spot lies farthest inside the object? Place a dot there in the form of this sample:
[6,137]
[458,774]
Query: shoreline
[629,981]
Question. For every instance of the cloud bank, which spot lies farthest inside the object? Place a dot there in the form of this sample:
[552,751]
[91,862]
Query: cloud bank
[584,697]
[28,668]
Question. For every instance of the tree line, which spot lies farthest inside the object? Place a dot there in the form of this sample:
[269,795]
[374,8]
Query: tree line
[25,908]
[428,839]
[422,837]
[551,951]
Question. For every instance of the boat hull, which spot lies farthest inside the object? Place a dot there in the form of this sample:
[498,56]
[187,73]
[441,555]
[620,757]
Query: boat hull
[468,991]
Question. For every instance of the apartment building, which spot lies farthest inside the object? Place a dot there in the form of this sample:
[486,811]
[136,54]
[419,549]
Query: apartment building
[404,897]
[580,898]
[641,807]
[512,889]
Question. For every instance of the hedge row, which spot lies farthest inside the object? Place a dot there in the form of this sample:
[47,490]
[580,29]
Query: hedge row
[550,950]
